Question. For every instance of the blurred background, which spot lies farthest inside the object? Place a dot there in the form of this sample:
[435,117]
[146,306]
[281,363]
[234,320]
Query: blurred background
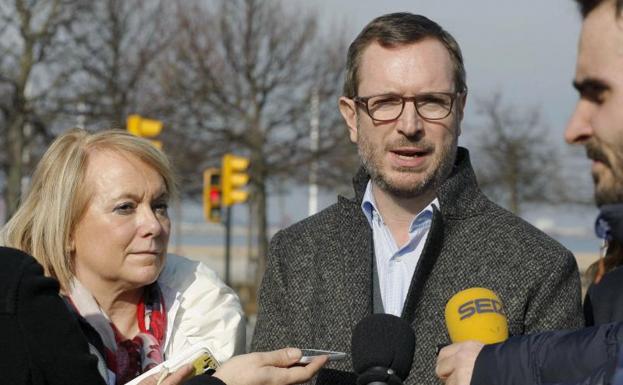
[260,79]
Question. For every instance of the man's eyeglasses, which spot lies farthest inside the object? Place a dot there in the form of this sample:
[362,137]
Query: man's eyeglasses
[388,107]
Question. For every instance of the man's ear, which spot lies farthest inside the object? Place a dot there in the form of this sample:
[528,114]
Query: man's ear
[460,110]
[348,109]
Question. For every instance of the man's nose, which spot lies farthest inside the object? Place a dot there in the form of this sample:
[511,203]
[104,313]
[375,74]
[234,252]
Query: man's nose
[579,128]
[410,122]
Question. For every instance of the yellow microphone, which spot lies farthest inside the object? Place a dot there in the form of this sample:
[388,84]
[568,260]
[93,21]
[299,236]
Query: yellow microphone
[476,314]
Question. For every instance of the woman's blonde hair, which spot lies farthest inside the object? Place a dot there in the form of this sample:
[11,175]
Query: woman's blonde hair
[58,197]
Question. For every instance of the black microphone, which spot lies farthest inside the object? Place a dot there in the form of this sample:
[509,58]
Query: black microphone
[382,350]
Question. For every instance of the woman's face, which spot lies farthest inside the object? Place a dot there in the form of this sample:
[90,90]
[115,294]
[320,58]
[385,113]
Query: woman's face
[121,239]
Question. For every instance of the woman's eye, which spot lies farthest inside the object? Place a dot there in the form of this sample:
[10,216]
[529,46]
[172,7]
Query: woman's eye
[124,208]
[161,208]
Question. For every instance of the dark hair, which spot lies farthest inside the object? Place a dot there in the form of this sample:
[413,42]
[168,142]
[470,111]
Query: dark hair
[612,260]
[586,6]
[398,29]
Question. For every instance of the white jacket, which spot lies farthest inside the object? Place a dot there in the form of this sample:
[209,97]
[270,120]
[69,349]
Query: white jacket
[200,309]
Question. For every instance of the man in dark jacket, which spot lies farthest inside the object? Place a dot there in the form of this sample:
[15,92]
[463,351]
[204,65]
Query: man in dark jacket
[41,343]
[418,229]
[587,356]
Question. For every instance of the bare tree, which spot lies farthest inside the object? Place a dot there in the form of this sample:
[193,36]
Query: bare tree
[242,77]
[518,162]
[113,53]
[33,35]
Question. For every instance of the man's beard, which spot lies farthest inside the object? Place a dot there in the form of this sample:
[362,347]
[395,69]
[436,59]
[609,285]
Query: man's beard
[371,159]
[613,191]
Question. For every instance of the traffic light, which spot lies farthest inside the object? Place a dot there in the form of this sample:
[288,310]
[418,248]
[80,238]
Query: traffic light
[233,178]
[145,128]
[212,195]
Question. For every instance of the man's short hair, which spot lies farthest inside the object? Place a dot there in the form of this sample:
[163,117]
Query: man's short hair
[586,6]
[396,29]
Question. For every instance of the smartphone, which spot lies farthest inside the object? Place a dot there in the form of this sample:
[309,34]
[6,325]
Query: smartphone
[198,355]
[309,354]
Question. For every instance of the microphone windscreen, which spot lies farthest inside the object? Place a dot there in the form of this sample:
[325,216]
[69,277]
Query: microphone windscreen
[335,377]
[383,340]
[476,314]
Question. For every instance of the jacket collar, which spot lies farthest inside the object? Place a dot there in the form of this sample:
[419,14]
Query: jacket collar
[459,195]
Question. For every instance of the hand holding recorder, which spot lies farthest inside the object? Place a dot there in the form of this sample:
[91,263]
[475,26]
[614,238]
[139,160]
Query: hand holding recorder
[267,368]
[277,367]
[474,317]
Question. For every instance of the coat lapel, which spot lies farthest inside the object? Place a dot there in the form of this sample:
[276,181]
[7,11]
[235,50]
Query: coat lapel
[425,265]
[344,290]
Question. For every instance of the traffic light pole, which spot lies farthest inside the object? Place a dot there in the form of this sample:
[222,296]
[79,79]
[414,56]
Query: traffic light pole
[227,244]
[233,178]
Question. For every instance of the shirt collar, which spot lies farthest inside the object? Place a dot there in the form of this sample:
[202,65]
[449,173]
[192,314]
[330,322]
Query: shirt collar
[368,205]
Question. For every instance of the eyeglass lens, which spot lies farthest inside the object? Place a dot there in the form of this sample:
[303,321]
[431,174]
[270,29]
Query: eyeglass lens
[429,106]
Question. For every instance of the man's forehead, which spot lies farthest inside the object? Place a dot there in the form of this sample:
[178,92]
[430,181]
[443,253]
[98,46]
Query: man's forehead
[407,63]
[601,44]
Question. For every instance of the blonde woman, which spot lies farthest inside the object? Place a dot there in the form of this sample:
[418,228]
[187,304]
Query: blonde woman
[96,219]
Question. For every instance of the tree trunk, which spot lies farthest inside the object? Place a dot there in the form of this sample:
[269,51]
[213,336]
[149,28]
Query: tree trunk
[262,231]
[15,144]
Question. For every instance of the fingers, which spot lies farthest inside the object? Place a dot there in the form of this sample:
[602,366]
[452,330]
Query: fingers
[298,374]
[180,375]
[445,360]
[268,368]
[281,358]
[455,363]
[450,350]
[173,379]
[445,365]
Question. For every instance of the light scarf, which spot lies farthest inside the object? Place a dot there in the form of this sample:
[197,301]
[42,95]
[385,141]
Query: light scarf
[126,358]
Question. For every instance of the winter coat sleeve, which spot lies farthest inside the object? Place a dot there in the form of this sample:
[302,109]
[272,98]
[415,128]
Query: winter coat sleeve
[585,356]
[41,341]
[556,305]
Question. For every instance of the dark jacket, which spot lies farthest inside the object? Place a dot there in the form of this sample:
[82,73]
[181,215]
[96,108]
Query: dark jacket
[40,342]
[318,282]
[604,301]
[587,356]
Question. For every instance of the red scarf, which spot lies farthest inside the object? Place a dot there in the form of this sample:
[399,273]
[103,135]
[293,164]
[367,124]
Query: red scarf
[128,358]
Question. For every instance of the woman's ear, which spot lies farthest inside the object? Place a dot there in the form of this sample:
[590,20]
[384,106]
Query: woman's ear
[72,245]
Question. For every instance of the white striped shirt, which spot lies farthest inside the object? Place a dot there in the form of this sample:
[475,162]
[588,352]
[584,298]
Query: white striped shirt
[396,265]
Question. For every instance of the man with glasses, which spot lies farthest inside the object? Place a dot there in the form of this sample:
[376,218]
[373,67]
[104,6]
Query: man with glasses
[418,229]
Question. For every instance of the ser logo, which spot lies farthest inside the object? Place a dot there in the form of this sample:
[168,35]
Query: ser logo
[480,305]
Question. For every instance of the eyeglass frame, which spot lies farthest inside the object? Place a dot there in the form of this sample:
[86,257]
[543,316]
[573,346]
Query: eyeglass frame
[363,100]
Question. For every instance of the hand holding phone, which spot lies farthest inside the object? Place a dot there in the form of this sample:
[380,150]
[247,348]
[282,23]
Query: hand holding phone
[309,354]
[198,355]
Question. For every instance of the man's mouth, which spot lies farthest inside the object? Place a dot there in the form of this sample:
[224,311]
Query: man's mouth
[596,154]
[410,153]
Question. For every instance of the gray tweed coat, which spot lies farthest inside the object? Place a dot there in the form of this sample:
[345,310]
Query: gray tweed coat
[318,282]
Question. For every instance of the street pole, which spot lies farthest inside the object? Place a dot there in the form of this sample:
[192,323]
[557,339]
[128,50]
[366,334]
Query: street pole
[227,244]
[313,147]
